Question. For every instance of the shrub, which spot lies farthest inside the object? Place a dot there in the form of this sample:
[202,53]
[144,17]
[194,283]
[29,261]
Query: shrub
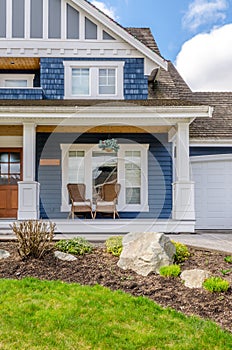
[182,252]
[33,236]
[216,284]
[76,246]
[170,271]
[114,245]
[228,259]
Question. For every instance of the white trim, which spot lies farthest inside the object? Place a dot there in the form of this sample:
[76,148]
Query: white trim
[63,20]
[27,18]
[99,230]
[107,114]
[28,77]
[211,143]
[121,32]
[8,19]
[211,158]
[89,148]
[45,21]
[93,67]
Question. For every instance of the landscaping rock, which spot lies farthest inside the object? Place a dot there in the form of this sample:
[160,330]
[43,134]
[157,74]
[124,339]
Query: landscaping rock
[64,256]
[194,278]
[4,254]
[146,252]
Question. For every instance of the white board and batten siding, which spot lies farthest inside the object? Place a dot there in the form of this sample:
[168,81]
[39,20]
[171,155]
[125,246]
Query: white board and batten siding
[213,191]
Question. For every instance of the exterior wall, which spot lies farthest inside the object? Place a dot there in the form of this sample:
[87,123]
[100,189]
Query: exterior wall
[52,77]
[159,172]
[21,94]
[207,151]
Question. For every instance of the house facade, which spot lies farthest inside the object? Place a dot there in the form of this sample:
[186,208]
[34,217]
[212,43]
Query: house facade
[71,77]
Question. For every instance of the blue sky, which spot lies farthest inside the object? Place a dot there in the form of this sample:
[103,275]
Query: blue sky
[196,35]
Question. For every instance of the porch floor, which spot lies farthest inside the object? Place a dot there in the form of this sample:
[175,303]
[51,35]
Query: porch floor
[101,229]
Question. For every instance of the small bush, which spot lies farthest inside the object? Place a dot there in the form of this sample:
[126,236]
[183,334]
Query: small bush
[228,259]
[170,271]
[182,252]
[33,236]
[216,284]
[114,245]
[76,246]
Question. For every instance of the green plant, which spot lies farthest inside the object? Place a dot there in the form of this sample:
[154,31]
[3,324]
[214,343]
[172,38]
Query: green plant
[170,271]
[225,272]
[228,259]
[216,284]
[182,252]
[114,245]
[33,236]
[76,246]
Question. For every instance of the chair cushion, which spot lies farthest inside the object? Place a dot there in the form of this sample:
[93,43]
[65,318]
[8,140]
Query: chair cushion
[104,203]
[76,204]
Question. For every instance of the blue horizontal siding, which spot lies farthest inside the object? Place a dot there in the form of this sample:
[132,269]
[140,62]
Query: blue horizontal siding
[159,172]
[207,151]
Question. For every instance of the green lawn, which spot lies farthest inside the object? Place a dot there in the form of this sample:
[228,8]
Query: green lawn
[54,315]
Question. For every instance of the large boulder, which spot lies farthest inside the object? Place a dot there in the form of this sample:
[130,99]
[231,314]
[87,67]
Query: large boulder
[146,252]
[194,278]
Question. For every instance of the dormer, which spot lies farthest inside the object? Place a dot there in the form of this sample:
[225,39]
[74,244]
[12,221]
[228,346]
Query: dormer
[74,42]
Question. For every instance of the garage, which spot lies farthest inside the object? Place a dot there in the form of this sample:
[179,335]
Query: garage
[213,191]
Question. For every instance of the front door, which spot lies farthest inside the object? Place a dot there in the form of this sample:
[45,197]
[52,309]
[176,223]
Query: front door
[10,174]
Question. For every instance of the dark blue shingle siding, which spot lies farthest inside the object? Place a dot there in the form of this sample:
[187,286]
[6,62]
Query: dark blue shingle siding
[52,77]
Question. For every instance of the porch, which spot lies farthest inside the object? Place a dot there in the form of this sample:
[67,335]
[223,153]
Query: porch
[155,140]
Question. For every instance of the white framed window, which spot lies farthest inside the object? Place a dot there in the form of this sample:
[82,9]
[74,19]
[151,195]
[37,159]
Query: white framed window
[16,80]
[91,79]
[84,163]
[80,82]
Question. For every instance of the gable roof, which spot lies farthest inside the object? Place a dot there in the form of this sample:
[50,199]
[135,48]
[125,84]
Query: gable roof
[145,36]
[121,31]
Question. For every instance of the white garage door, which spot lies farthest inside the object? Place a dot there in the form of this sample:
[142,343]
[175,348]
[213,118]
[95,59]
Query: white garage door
[213,191]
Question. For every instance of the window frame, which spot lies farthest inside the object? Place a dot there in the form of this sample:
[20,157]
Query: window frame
[28,77]
[94,67]
[88,149]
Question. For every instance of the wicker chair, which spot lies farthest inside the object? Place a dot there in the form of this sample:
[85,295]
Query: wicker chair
[108,199]
[79,203]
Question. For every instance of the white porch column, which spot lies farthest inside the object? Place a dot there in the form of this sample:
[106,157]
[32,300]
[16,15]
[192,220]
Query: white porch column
[183,188]
[28,189]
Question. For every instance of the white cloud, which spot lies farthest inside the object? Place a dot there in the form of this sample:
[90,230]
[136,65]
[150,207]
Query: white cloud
[205,61]
[109,11]
[202,12]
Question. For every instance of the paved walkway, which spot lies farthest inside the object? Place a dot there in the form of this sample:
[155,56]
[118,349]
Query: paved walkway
[217,241]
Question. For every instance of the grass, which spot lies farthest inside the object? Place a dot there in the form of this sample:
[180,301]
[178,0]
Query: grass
[54,315]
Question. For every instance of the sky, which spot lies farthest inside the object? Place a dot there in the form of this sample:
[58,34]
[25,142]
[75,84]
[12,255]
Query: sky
[196,35]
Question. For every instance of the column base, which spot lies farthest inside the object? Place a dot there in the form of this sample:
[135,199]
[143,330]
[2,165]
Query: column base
[183,200]
[28,200]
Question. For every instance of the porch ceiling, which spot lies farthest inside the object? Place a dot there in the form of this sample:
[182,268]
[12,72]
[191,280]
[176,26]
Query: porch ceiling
[106,129]
[18,63]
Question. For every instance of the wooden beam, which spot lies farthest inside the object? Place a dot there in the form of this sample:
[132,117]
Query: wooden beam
[102,129]
[11,130]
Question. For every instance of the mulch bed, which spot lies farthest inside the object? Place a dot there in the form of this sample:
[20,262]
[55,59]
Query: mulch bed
[99,267]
